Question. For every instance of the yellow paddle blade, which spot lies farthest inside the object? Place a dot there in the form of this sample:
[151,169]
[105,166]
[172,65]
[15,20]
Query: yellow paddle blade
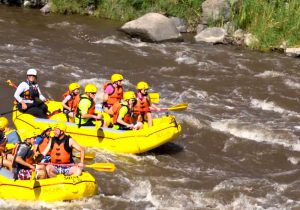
[88,156]
[108,167]
[154,97]
[178,107]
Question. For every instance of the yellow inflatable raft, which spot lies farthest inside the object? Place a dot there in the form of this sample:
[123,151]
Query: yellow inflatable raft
[60,188]
[164,129]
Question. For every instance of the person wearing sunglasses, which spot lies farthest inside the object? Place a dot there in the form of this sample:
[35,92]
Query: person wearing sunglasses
[85,111]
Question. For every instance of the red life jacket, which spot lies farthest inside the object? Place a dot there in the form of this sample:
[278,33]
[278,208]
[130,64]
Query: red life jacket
[42,146]
[74,100]
[116,109]
[116,96]
[61,152]
[142,105]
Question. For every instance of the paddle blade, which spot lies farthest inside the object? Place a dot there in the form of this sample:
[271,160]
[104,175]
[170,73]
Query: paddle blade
[108,167]
[87,156]
[154,97]
[178,107]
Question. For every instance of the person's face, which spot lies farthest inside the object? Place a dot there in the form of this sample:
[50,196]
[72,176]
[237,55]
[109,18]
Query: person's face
[144,91]
[57,132]
[31,140]
[31,78]
[92,95]
[119,82]
[76,91]
[131,101]
[48,132]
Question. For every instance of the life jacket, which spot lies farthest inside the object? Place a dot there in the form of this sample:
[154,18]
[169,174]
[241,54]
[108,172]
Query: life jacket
[116,96]
[61,152]
[91,109]
[44,143]
[32,92]
[143,104]
[116,109]
[74,100]
[28,156]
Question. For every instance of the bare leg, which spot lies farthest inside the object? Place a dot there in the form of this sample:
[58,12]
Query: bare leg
[51,171]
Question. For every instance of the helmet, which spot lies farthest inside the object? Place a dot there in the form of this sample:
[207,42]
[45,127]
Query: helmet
[142,85]
[90,88]
[31,72]
[129,95]
[3,123]
[30,134]
[61,126]
[116,77]
[74,86]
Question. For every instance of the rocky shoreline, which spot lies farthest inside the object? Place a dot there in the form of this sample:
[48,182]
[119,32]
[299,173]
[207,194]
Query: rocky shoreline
[156,27]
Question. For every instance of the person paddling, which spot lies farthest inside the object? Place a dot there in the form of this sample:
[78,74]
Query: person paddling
[85,112]
[23,159]
[60,147]
[29,97]
[113,92]
[123,117]
[71,100]
[143,105]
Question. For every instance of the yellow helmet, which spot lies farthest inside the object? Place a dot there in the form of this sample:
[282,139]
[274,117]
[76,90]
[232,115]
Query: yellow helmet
[116,77]
[142,85]
[129,95]
[74,86]
[61,126]
[3,123]
[90,88]
[30,134]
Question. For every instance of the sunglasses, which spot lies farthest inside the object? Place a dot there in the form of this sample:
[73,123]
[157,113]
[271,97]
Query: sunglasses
[93,93]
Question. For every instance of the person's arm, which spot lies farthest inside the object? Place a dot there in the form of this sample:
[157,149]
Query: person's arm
[22,151]
[64,102]
[83,106]
[20,89]
[40,93]
[121,115]
[76,146]
[108,90]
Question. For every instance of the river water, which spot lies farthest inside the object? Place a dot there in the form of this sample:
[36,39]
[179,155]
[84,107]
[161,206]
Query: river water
[239,148]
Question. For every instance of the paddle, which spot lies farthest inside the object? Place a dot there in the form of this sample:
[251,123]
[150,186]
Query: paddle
[4,113]
[87,156]
[108,167]
[10,83]
[178,107]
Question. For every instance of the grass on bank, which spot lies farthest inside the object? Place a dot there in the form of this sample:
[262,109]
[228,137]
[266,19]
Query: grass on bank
[125,10]
[273,22]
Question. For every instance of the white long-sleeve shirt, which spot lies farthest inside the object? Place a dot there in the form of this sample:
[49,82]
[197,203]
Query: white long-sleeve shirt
[25,87]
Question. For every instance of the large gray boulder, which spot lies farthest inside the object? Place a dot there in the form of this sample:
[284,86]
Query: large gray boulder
[213,10]
[153,27]
[293,52]
[212,35]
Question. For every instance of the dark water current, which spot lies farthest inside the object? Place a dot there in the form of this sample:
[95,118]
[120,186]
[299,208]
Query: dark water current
[240,144]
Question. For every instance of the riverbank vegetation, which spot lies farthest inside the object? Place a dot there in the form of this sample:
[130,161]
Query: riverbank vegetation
[125,10]
[272,22]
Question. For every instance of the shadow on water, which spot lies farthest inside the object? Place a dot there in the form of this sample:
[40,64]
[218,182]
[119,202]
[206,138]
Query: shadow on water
[166,149]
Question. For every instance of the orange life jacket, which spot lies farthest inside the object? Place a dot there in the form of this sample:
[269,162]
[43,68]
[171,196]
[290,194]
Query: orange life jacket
[116,108]
[42,146]
[74,100]
[91,109]
[61,152]
[116,96]
[142,105]
[28,157]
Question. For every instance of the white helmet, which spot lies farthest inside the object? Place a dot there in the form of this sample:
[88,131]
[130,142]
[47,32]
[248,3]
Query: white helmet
[31,72]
